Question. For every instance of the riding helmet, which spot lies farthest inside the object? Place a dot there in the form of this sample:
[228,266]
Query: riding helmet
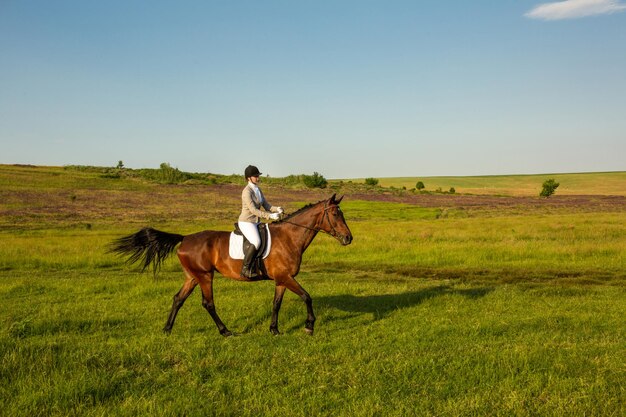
[252,171]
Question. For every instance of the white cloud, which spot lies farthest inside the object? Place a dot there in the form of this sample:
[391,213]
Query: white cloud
[572,9]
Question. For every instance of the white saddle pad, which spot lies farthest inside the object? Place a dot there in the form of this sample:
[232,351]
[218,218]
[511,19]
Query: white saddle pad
[235,248]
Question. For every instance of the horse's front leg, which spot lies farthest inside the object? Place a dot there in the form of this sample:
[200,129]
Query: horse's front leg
[310,321]
[296,288]
[278,300]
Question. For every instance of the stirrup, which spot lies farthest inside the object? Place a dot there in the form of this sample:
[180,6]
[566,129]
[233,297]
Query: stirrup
[248,273]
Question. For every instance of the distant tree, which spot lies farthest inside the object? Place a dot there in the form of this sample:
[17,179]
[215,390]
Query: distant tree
[420,185]
[549,187]
[120,165]
[371,181]
[452,190]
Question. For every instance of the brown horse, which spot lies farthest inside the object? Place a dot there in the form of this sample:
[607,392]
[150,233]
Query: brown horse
[202,254]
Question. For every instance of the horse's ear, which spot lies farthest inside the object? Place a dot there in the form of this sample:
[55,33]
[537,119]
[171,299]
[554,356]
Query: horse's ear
[332,199]
[339,201]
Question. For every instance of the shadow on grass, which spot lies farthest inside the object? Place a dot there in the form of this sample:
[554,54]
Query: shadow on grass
[382,305]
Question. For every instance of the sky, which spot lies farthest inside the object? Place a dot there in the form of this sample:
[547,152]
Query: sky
[345,88]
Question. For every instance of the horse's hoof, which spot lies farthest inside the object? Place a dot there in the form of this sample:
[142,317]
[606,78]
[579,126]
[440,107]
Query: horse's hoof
[308,331]
[167,331]
[275,332]
[226,333]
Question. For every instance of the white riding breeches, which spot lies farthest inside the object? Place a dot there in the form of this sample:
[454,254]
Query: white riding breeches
[251,232]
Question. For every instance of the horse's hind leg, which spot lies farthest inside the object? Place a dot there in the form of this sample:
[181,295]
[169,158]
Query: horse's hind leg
[179,300]
[207,302]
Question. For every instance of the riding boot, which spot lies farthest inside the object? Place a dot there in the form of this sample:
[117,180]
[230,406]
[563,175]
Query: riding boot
[248,260]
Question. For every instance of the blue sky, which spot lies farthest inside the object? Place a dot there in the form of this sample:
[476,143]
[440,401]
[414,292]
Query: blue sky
[344,88]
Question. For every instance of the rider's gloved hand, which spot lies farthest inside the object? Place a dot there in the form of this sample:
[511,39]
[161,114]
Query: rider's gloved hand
[274,216]
[280,210]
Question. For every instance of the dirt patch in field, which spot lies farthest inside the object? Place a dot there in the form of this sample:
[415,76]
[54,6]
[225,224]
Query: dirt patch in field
[576,202]
[31,208]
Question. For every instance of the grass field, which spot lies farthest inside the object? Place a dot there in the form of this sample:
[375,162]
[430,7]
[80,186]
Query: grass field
[460,306]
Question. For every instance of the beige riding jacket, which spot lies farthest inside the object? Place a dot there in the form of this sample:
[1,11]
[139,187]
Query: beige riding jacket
[250,206]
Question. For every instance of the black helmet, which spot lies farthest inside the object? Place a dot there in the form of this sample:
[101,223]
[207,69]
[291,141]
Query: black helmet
[252,171]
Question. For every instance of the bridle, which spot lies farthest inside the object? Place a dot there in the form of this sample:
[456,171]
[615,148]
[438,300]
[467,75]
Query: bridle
[316,228]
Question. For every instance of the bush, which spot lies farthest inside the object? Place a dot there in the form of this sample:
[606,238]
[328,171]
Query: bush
[371,181]
[170,175]
[315,181]
[549,187]
[166,174]
[111,174]
[452,190]
[420,185]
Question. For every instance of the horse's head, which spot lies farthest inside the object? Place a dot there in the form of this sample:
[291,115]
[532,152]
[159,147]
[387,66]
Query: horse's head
[334,223]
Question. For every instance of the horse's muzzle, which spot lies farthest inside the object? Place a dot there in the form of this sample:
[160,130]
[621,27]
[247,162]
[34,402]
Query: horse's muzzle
[346,240]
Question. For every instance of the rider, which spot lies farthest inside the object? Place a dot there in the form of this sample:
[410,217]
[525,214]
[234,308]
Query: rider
[252,200]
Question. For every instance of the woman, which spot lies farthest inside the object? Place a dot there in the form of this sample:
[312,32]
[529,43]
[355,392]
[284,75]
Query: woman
[252,200]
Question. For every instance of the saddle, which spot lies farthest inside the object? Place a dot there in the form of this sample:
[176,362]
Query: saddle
[263,232]
[237,249]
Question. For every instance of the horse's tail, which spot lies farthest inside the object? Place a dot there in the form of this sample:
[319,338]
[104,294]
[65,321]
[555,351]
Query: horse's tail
[148,246]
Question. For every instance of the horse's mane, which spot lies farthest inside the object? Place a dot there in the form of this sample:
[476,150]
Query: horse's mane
[300,210]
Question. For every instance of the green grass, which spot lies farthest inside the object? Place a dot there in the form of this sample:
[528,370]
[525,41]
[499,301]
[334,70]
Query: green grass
[383,346]
[55,178]
[533,245]
[431,311]
[600,183]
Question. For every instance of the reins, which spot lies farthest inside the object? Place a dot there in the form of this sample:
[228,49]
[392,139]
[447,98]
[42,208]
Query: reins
[332,233]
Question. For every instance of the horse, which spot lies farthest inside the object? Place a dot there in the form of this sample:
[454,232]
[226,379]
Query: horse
[204,253]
